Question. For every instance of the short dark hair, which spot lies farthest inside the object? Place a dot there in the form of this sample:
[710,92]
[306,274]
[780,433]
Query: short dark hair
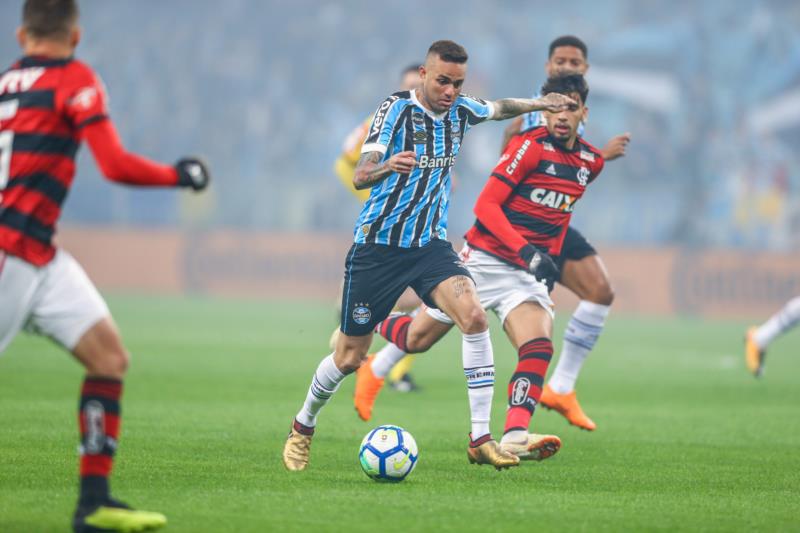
[449,51]
[567,84]
[569,40]
[49,18]
[414,67]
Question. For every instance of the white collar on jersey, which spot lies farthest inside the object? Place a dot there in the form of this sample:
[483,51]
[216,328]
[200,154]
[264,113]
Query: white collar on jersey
[428,112]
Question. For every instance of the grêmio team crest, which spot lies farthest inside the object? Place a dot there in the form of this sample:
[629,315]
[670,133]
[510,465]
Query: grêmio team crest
[361,314]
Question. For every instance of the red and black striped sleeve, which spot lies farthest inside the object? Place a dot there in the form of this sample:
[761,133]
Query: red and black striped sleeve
[84,104]
[82,95]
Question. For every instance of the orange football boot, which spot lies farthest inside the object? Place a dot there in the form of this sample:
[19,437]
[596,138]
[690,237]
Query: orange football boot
[567,405]
[368,385]
[753,355]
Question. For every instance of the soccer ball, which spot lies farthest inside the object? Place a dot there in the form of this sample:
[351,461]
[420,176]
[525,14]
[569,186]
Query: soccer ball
[388,453]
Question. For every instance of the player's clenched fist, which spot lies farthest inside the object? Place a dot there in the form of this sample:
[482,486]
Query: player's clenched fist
[402,162]
[555,102]
[193,172]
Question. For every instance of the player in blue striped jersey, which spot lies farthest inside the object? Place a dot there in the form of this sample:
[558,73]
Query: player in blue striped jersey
[399,242]
[410,209]
[580,268]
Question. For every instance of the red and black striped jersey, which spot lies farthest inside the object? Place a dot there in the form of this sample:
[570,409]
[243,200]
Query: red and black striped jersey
[44,104]
[530,195]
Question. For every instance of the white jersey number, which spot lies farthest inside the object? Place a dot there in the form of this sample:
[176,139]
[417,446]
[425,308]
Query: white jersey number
[7,111]
[6,142]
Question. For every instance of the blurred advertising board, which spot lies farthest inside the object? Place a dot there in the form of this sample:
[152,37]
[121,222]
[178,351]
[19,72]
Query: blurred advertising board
[652,281]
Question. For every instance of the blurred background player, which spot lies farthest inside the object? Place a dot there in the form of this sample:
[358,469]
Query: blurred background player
[400,241]
[759,338]
[345,166]
[522,214]
[581,269]
[399,377]
[49,104]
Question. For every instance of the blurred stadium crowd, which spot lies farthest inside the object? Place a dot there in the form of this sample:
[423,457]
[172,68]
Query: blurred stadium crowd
[267,91]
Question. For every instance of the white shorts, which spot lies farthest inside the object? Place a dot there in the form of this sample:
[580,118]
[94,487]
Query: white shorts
[57,300]
[501,287]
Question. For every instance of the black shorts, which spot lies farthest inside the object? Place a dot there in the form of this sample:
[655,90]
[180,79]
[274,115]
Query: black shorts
[376,275]
[575,248]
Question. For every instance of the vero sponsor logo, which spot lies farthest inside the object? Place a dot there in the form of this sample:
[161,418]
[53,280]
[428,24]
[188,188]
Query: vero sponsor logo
[380,115]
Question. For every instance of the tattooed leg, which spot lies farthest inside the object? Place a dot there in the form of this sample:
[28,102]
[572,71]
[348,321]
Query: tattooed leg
[461,285]
[457,297]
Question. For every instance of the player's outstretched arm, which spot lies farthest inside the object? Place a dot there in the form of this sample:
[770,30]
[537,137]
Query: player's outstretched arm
[121,166]
[512,107]
[371,170]
[616,146]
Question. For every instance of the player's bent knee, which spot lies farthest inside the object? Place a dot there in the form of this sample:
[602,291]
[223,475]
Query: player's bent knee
[349,366]
[112,363]
[602,294]
[475,321]
[121,361]
[101,352]
[418,342]
[114,354]
[349,361]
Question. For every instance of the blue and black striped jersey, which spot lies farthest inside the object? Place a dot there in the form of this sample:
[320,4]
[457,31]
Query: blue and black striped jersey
[534,119]
[408,210]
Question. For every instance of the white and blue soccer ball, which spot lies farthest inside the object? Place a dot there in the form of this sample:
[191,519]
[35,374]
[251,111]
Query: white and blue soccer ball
[388,453]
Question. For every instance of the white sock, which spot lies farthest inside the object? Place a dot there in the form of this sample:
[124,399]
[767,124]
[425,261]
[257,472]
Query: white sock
[324,383]
[478,359]
[385,359]
[779,323]
[581,334]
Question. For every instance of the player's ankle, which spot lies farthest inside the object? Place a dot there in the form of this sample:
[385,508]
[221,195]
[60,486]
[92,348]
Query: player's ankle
[561,386]
[515,435]
[303,429]
[94,490]
[480,440]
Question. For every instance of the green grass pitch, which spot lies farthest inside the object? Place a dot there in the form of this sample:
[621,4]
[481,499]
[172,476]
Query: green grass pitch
[687,440]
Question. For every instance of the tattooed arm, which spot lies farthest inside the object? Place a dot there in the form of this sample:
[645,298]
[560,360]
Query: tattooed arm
[370,170]
[512,107]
